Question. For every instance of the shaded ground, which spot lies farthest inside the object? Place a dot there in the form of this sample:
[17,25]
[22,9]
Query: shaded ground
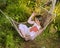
[48,42]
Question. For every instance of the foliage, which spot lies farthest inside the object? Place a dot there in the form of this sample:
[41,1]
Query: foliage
[57,23]
[20,11]
[2,4]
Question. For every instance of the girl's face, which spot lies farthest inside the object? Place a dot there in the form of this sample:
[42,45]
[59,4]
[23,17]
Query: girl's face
[37,21]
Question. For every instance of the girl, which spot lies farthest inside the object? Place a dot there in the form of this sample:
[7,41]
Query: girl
[31,32]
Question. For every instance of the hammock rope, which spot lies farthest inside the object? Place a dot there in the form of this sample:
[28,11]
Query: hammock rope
[15,26]
[50,20]
[12,23]
[53,6]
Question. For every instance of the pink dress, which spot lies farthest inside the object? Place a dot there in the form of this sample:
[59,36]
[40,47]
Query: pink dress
[31,30]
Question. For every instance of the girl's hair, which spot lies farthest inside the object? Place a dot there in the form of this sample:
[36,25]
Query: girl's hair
[40,18]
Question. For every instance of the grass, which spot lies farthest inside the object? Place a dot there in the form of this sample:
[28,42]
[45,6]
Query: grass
[9,37]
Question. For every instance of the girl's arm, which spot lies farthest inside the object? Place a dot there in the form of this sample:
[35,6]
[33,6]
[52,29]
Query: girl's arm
[41,30]
[30,21]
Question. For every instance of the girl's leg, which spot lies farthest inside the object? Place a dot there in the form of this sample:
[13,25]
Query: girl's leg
[24,29]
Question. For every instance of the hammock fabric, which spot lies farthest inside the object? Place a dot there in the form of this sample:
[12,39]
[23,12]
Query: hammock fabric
[48,17]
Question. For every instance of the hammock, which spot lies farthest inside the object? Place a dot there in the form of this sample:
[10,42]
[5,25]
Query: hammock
[48,17]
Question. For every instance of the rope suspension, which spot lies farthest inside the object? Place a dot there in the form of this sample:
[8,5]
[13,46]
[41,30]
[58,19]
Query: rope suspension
[48,20]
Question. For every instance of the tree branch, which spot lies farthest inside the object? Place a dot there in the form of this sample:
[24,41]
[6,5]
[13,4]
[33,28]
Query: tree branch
[53,6]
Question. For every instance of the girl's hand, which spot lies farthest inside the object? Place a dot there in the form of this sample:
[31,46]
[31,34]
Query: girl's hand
[33,14]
